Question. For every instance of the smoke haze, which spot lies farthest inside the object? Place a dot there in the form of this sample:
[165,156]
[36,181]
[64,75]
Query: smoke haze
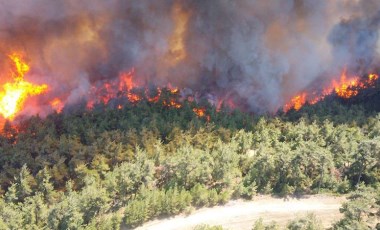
[260,53]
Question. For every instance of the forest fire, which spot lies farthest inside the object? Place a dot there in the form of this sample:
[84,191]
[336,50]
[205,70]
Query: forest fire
[153,99]
[112,89]
[57,105]
[125,87]
[201,112]
[15,92]
[345,88]
[296,102]
[232,56]
[114,113]
[133,98]
[172,103]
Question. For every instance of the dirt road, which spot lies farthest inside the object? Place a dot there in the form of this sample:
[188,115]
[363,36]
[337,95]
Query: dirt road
[242,214]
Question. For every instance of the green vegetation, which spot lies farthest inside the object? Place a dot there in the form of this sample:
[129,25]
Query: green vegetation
[207,227]
[259,225]
[362,211]
[309,222]
[102,168]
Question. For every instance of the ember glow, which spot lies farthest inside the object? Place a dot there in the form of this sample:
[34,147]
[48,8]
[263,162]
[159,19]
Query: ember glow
[133,97]
[172,103]
[120,87]
[125,87]
[15,92]
[57,105]
[153,99]
[346,87]
[201,112]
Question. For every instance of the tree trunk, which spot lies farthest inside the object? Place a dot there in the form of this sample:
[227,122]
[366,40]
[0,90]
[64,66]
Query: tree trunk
[360,175]
[321,178]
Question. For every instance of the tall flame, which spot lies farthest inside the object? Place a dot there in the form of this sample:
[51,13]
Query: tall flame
[298,101]
[14,94]
[344,88]
[177,51]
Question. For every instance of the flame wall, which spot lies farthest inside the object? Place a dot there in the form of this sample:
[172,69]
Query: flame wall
[260,53]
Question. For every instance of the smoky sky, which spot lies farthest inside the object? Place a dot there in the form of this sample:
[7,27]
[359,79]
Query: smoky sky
[260,53]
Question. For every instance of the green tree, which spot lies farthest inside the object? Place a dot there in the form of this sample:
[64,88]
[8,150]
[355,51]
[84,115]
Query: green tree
[10,216]
[185,168]
[45,187]
[366,159]
[259,225]
[310,222]
[34,212]
[127,178]
[361,211]
[94,200]
[66,214]
[22,187]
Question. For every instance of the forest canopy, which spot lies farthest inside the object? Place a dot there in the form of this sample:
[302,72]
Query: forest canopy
[80,169]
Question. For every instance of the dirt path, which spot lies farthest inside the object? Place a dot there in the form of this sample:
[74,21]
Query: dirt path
[242,214]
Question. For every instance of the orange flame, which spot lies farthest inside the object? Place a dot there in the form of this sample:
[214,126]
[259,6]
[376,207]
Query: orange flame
[154,99]
[177,49]
[57,105]
[296,102]
[126,81]
[133,98]
[14,94]
[122,87]
[126,87]
[201,112]
[373,77]
[345,88]
[172,103]
[174,91]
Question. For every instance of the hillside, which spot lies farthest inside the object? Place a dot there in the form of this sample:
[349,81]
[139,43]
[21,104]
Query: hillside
[78,169]
[116,113]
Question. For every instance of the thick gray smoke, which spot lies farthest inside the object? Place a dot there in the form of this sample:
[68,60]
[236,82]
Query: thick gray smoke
[260,53]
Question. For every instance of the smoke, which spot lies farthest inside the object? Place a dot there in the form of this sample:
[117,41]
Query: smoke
[259,53]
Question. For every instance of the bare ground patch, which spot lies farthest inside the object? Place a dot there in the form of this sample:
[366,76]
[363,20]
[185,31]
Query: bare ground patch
[242,215]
